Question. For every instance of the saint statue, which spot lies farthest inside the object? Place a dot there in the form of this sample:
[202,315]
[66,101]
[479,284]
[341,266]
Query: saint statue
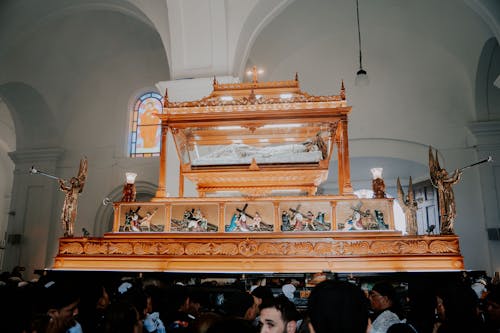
[443,182]
[72,189]
[409,206]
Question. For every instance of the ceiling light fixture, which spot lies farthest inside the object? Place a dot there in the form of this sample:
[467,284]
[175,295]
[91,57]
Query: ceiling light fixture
[361,75]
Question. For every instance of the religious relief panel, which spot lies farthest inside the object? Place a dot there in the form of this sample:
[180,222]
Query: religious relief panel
[364,214]
[305,216]
[194,217]
[249,217]
[145,217]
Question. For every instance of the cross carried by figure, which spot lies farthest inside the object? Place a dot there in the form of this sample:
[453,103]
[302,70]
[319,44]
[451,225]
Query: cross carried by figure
[243,211]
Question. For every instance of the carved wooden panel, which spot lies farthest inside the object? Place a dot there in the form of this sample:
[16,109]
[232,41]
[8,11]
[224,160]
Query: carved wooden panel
[352,251]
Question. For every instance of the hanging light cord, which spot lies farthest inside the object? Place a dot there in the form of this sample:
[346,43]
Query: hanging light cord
[359,36]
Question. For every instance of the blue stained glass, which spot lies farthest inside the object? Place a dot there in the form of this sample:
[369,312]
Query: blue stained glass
[145,135]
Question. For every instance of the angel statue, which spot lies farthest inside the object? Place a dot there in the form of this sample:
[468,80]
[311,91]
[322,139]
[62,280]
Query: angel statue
[409,206]
[443,182]
[72,190]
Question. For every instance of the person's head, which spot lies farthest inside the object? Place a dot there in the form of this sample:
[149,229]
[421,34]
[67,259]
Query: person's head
[122,317]
[61,305]
[262,294]
[196,299]
[338,307]
[382,296]
[240,304]
[457,305]
[278,315]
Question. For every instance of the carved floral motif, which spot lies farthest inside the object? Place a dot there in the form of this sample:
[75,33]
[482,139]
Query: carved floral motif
[300,97]
[356,248]
[171,249]
[228,249]
[263,248]
[95,248]
[441,246]
[302,248]
[247,248]
[272,248]
[71,248]
[198,249]
[120,248]
[414,247]
[382,247]
[145,248]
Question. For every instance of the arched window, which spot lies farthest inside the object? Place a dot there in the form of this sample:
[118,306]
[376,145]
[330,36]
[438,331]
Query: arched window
[145,128]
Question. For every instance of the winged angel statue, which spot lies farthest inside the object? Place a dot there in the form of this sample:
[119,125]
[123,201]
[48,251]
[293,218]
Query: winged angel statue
[72,189]
[409,206]
[443,182]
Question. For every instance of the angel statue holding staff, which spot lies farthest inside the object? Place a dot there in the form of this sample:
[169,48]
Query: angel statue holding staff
[443,182]
[409,206]
[72,190]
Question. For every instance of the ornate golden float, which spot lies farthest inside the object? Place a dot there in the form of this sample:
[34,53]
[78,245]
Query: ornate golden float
[257,153]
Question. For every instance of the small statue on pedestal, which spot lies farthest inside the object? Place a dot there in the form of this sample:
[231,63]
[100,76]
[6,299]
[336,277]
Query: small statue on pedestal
[129,191]
[378,184]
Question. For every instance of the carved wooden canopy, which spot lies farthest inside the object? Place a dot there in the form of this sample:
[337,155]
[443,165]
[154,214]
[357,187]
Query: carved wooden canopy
[273,117]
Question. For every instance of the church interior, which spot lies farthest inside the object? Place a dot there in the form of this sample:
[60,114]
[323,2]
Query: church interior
[71,74]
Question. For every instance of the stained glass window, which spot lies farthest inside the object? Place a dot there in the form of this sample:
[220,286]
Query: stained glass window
[145,135]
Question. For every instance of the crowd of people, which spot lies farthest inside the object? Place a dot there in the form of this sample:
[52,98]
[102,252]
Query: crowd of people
[138,305]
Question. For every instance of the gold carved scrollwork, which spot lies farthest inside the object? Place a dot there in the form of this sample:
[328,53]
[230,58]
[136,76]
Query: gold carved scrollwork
[385,247]
[170,249]
[71,248]
[121,248]
[213,101]
[247,248]
[145,248]
[95,248]
[273,249]
[198,249]
[333,127]
[444,247]
[324,249]
[301,248]
[414,247]
[356,248]
[227,249]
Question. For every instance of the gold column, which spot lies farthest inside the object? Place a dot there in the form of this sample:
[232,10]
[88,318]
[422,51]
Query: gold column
[181,181]
[161,192]
[345,186]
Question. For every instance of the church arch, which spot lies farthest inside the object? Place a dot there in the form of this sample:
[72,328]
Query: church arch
[487,96]
[103,221]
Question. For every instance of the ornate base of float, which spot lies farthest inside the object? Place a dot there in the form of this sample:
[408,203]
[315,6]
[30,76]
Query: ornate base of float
[377,251]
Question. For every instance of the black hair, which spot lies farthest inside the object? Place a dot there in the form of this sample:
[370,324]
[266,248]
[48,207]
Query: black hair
[237,303]
[284,306]
[338,306]
[263,292]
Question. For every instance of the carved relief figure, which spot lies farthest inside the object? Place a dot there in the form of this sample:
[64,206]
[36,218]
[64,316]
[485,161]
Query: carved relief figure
[285,221]
[409,206]
[443,182]
[72,189]
[145,222]
[364,219]
[193,220]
